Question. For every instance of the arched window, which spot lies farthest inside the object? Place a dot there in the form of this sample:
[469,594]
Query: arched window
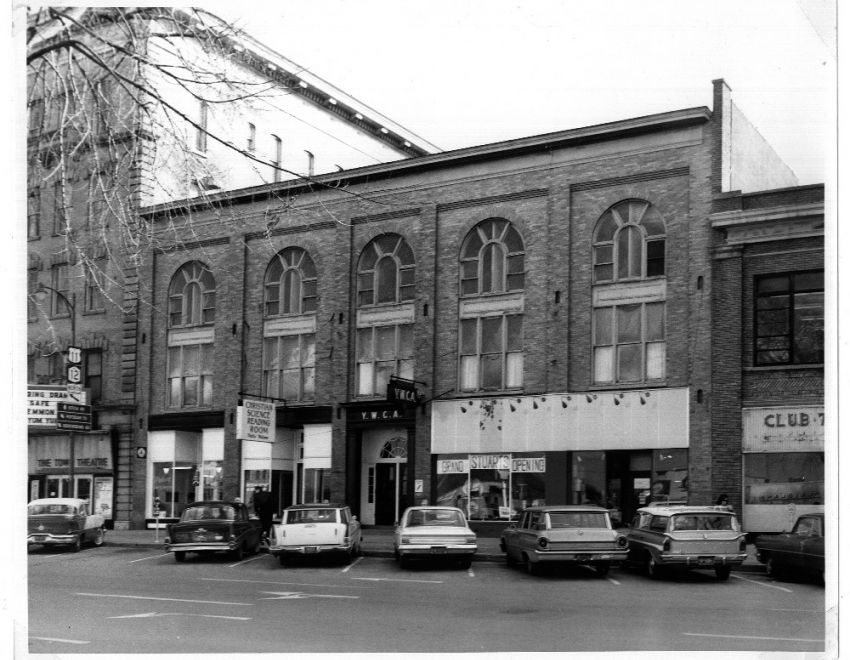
[629,242]
[386,271]
[290,283]
[492,259]
[191,296]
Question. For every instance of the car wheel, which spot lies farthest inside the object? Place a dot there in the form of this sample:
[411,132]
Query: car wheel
[602,569]
[771,568]
[282,559]
[99,537]
[255,549]
[533,568]
[77,545]
[179,557]
[465,563]
[238,554]
[722,572]
[509,560]
[403,561]
[653,570]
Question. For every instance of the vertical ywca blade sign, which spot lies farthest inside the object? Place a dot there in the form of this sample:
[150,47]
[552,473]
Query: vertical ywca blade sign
[255,420]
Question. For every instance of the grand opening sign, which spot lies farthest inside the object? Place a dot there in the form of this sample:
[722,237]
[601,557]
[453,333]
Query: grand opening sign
[255,420]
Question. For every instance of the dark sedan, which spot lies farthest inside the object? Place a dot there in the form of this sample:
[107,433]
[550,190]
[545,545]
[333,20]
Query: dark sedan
[214,526]
[799,551]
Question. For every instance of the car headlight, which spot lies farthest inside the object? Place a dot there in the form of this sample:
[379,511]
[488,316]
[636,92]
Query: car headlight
[543,542]
[622,541]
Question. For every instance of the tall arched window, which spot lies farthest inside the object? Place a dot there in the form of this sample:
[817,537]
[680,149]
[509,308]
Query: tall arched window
[191,303]
[191,296]
[629,242]
[290,283]
[289,344]
[385,276]
[629,336]
[492,259]
[386,271]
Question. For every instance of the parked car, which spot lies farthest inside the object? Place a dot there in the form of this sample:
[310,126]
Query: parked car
[316,529]
[431,532]
[568,534]
[64,521]
[214,526]
[799,551]
[683,537]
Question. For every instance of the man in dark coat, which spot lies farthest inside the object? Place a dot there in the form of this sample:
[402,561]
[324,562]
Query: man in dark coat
[263,508]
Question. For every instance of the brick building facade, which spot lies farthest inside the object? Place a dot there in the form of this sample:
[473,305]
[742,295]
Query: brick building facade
[768,354]
[551,299]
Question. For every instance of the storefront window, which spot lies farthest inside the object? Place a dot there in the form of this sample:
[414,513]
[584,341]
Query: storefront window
[173,484]
[316,485]
[212,479]
[784,478]
[670,475]
[491,486]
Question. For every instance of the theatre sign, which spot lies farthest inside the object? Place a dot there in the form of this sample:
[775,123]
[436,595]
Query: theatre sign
[42,403]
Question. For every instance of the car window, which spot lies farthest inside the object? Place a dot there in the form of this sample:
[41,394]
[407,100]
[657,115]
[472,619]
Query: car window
[558,519]
[658,524]
[807,527]
[299,516]
[62,509]
[524,520]
[535,521]
[208,513]
[435,518]
[344,516]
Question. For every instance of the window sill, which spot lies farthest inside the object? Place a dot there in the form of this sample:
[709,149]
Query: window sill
[616,387]
[817,366]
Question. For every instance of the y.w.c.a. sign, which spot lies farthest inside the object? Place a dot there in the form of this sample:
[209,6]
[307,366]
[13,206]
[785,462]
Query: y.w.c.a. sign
[401,390]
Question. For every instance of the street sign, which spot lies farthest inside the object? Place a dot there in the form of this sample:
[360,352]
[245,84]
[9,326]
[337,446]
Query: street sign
[74,374]
[75,354]
[73,417]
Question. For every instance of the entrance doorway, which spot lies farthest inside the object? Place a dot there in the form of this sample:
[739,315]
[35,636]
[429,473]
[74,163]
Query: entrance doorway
[390,490]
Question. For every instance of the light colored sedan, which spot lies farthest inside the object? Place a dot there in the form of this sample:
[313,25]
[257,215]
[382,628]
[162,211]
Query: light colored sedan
[64,521]
[316,529]
[434,532]
[566,534]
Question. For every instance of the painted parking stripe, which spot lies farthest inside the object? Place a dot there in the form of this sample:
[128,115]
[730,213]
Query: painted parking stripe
[763,584]
[245,561]
[291,584]
[150,615]
[470,572]
[397,580]
[767,639]
[165,554]
[173,600]
[60,640]
[352,564]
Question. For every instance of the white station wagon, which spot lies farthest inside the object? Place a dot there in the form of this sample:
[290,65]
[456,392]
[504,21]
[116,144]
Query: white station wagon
[316,529]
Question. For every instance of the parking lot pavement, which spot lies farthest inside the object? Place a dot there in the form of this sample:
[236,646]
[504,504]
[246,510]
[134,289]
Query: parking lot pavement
[377,542]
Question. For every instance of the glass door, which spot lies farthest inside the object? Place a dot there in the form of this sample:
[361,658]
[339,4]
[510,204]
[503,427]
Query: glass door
[58,486]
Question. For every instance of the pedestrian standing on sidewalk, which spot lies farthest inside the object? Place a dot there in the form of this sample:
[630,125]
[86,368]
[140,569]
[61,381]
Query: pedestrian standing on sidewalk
[264,509]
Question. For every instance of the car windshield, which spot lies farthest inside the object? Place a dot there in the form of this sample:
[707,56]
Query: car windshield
[296,516]
[209,513]
[559,519]
[437,517]
[703,521]
[41,509]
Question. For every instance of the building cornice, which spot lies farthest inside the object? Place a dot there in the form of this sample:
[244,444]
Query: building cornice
[773,224]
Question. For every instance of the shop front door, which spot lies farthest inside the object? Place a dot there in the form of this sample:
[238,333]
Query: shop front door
[390,488]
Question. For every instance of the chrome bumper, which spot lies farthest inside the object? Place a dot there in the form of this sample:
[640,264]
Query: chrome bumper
[277,550]
[201,547]
[695,561]
[51,539]
[581,557]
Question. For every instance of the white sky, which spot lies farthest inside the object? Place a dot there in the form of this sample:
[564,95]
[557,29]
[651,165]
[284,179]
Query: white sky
[466,72]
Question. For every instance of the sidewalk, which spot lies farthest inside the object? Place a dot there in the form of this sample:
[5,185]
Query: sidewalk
[377,542]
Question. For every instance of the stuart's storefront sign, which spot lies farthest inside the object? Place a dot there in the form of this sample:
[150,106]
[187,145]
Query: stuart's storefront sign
[783,429]
[491,462]
[255,420]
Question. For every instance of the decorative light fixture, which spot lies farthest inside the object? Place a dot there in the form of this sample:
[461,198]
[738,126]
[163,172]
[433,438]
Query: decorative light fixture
[301,83]
[384,130]
[406,143]
[513,409]
[563,403]
[616,401]
[534,404]
[332,101]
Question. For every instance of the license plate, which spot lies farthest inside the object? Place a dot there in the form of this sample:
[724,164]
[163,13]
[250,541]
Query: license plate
[40,537]
[311,548]
[705,561]
[438,551]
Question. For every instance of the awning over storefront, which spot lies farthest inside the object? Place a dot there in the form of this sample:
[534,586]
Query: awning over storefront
[645,419]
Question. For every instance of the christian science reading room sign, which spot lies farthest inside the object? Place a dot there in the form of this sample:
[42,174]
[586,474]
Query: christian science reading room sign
[255,420]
